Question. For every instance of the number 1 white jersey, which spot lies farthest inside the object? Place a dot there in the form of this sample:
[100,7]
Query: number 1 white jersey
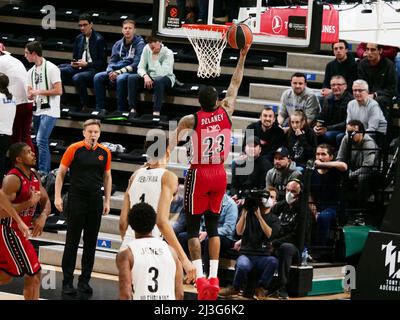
[154,268]
[145,187]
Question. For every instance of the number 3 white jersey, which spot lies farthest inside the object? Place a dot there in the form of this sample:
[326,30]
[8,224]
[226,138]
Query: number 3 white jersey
[154,268]
[145,187]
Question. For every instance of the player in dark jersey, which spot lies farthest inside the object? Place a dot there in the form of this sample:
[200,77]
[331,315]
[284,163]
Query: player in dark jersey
[23,188]
[206,181]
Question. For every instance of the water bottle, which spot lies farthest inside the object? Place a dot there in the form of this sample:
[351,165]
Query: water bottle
[304,257]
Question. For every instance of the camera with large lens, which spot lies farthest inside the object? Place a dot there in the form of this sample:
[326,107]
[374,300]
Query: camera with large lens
[254,198]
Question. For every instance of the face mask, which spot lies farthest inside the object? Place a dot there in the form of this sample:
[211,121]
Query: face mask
[290,197]
[268,203]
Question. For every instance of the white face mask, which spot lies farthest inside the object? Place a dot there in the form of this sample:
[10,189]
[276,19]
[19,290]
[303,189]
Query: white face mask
[268,203]
[290,197]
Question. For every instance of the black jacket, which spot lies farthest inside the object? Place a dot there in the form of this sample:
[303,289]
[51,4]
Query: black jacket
[271,139]
[347,69]
[381,78]
[302,147]
[97,49]
[334,112]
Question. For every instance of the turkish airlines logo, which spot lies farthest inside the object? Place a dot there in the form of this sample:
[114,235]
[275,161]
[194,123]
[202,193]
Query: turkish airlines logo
[277,24]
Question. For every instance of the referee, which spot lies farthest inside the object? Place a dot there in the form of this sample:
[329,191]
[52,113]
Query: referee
[90,169]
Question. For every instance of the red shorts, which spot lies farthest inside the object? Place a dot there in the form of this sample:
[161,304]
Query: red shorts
[205,187]
[17,254]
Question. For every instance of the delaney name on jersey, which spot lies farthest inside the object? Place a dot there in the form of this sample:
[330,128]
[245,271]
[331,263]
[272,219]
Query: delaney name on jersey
[212,119]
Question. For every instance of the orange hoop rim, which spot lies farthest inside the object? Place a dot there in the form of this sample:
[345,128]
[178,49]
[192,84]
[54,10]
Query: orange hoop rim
[206,27]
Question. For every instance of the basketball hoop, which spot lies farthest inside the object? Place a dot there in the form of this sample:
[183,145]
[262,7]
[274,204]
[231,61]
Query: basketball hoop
[208,41]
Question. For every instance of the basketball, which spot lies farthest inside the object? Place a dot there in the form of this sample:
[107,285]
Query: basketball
[239,35]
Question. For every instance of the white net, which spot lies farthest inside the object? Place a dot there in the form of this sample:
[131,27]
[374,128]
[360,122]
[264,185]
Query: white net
[208,45]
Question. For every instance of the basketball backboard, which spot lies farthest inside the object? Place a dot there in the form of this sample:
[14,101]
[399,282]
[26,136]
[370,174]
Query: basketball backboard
[274,28]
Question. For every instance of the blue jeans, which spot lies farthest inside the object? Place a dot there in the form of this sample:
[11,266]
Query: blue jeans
[43,126]
[136,84]
[334,138]
[324,222]
[80,78]
[101,80]
[246,263]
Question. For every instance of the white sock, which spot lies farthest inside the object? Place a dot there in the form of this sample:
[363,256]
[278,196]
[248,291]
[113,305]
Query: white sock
[198,264]
[213,268]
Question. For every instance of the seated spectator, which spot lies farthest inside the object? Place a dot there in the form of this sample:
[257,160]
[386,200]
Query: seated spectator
[293,235]
[155,73]
[18,82]
[343,65]
[360,152]
[45,88]
[387,51]
[226,230]
[7,115]
[125,56]
[89,57]
[282,172]
[331,122]
[268,131]
[326,180]
[366,109]
[202,12]
[258,228]
[249,170]
[298,97]
[380,74]
[300,139]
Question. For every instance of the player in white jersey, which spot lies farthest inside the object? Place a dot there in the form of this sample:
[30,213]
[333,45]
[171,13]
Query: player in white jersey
[155,185]
[148,268]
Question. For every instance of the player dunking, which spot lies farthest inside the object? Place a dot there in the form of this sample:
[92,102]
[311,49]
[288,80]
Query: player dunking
[206,181]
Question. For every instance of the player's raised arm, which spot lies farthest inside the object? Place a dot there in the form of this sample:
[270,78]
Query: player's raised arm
[186,123]
[229,101]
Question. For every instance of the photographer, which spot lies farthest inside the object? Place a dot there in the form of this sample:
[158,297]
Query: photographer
[255,163]
[257,227]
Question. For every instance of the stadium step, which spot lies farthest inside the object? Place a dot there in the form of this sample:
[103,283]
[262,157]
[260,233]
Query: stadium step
[304,61]
[268,91]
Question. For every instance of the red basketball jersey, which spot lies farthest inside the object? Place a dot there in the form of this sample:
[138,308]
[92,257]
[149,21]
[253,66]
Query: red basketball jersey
[28,185]
[211,139]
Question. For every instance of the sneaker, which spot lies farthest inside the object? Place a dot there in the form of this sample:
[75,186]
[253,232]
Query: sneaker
[213,288]
[84,287]
[280,294]
[68,289]
[260,293]
[133,116]
[229,292]
[202,288]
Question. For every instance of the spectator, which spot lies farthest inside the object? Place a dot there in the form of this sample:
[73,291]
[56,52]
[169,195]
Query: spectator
[45,88]
[282,172]
[125,56]
[361,161]
[387,51]
[331,123]
[89,57]
[249,170]
[326,180]
[7,115]
[18,78]
[202,12]
[298,97]
[155,72]
[293,235]
[268,131]
[226,230]
[366,109]
[257,228]
[343,65]
[301,139]
[380,74]
[90,169]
